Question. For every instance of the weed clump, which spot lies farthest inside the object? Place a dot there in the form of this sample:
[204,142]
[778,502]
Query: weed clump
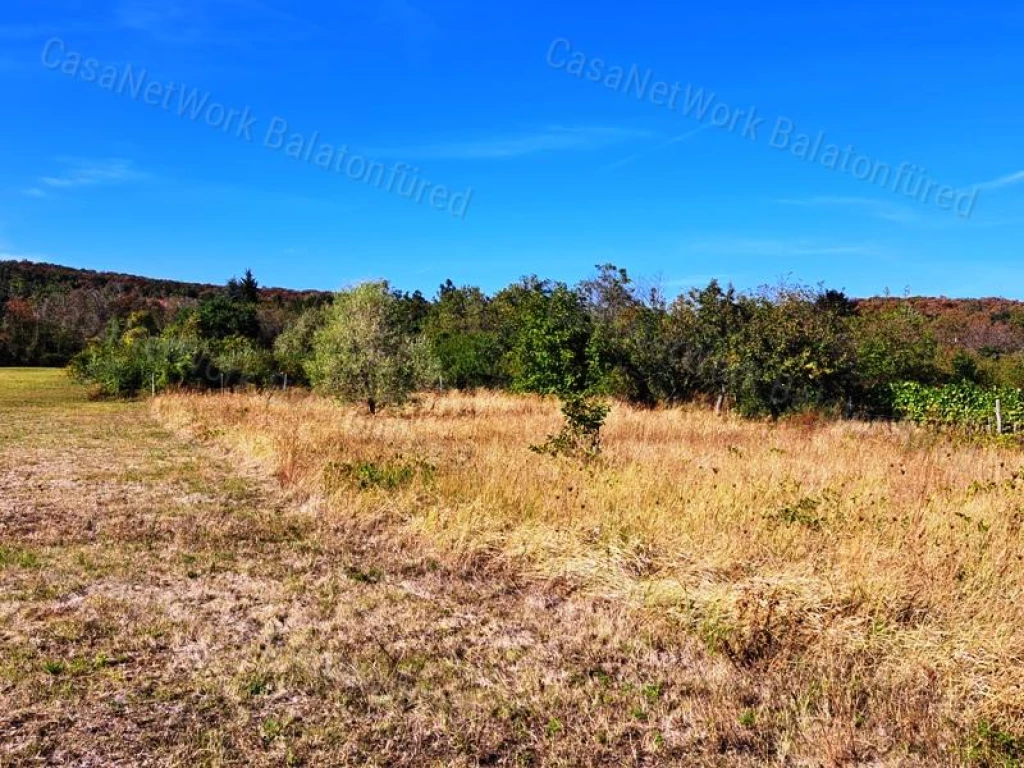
[387,475]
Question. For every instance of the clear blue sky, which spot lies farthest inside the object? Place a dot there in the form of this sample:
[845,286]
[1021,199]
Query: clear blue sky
[565,172]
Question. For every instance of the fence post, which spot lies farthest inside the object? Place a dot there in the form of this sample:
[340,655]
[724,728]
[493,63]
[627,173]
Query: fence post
[999,416]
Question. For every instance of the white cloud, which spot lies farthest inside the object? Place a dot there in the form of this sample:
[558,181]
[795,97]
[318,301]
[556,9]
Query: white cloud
[878,208]
[556,138]
[18,32]
[84,173]
[775,247]
[1003,181]
[229,23]
[664,145]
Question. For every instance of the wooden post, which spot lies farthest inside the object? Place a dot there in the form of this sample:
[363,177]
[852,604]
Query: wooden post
[285,382]
[153,383]
[999,417]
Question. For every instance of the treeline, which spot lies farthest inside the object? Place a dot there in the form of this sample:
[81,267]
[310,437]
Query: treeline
[49,313]
[772,352]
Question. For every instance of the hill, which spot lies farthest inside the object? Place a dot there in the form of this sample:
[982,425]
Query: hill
[989,326]
[48,312]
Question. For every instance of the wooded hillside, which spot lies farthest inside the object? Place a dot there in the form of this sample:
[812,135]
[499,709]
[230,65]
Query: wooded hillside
[48,312]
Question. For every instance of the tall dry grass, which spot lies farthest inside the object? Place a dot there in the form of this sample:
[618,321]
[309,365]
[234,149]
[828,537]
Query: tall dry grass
[869,575]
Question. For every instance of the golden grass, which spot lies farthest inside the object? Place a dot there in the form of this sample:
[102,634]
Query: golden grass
[866,577]
[308,585]
[160,605]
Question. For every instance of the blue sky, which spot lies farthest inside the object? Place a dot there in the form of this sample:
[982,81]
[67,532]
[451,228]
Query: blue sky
[558,172]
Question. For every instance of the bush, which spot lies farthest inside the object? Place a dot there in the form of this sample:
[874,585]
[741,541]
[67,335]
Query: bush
[293,348]
[125,363]
[461,330]
[892,346]
[580,437]
[240,362]
[550,351]
[791,353]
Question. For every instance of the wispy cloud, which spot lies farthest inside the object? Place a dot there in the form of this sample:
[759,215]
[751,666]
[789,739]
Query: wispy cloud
[407,22]
[779,247]
[229,23]
[175,22]
[17,32]
[664,145]
[1003,181]
[557,138]
[879,209]
[86,173]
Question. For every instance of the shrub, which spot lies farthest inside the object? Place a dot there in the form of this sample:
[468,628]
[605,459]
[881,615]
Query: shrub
[240,361]
[388,475]
[125,363]
[550,350]
[580,436]
[293,348]
[892,346]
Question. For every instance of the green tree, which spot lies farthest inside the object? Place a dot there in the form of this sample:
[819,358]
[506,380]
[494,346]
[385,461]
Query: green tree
[793,351]
[549,330]
[293,348]
[244,291]
[965,368]
[221,318]
[241,361]
[627,345]
[127,360]
[461,332]
[364,351]
[893,345]
[701,327]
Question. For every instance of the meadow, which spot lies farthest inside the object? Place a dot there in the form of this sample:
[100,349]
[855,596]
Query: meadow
[278,578]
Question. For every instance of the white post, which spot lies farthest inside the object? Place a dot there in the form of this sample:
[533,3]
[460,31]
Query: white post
[999,416]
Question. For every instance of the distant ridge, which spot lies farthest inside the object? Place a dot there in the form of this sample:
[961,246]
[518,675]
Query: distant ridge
[991,326]
[32,273]
[48,313]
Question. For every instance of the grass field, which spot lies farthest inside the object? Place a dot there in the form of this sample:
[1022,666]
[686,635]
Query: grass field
[273,580]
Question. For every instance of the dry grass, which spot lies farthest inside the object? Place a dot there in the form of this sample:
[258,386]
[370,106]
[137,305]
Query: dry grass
[864,580]
[266,580]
